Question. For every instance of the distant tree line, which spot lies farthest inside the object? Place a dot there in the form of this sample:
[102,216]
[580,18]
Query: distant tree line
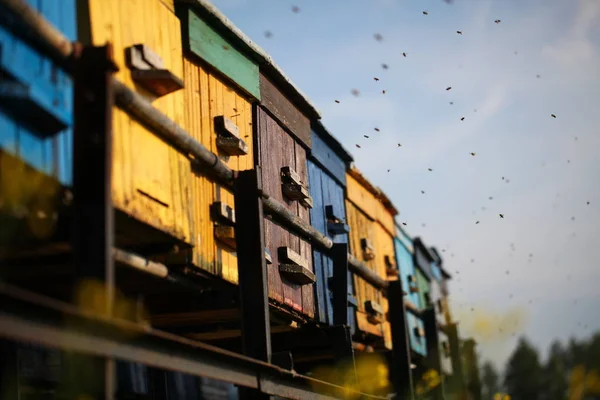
[570,372]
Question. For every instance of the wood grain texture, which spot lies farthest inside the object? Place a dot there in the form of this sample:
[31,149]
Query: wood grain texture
[361,197]
[53,90]
[328,159]
[276,149]
[148,181]
[284,111]
[204,42]
[207,96]
[326,190]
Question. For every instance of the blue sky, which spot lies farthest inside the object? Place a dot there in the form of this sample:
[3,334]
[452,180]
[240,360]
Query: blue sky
[551,166]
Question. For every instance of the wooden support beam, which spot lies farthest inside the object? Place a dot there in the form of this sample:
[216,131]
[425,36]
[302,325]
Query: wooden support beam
[339,256]
[433,351]
[93,221]
[252,271]
[401,361]
[457,382]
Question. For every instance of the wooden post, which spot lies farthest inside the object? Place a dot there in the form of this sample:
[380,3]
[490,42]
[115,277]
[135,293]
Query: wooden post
[457,383]
[339,283]
[433,352]
[401,362]
[93,228]
[252,270]
[340,333]
[9,370]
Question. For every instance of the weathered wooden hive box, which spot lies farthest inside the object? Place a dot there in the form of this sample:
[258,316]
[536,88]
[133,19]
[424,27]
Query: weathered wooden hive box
[327,166]
[385,231]
[222,82]
[372,244]
[422,261]
[404,257]
[150,177]
[283,138]
[36,118]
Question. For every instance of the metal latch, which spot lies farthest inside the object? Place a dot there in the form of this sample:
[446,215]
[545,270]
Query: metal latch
[294,267]
[228,137]
[268,257]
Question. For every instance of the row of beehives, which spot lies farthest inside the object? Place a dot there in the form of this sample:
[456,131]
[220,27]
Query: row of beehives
[202,73]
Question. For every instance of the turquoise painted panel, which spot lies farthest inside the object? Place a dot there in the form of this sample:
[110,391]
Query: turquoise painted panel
[221,55]
[417,344]
[404,259]
[47,86]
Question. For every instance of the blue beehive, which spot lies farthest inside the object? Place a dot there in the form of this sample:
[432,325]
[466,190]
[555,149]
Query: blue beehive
[36,96]
[404,256]
[327,165]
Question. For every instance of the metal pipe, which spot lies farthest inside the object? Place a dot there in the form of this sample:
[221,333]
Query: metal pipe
[294,222]
[140,108]
[39,29]
[140,263]
[360,269]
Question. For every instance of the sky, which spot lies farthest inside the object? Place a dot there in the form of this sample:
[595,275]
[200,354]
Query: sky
[533,272]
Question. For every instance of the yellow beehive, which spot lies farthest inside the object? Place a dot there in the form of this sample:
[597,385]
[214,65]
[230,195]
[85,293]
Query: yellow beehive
[208,96]
[150,178]
[371,223]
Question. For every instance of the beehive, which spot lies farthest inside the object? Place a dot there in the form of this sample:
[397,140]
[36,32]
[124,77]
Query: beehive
[404,256]
[327,166]
[371,220]
[36,106]
[150,177]
[282,140]
[222,82]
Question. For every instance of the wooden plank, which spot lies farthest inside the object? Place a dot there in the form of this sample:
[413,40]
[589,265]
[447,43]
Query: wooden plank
[207,97]
[285,111]
[206,43]
[361,197]
[306,293]
[195,317]
[365,326]
[317,219]
[328,158]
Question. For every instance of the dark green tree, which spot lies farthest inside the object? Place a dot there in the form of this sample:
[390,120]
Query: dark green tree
[524,375]
[555,374]
[490,381]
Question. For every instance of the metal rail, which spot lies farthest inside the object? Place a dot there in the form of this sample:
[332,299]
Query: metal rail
[29,317]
